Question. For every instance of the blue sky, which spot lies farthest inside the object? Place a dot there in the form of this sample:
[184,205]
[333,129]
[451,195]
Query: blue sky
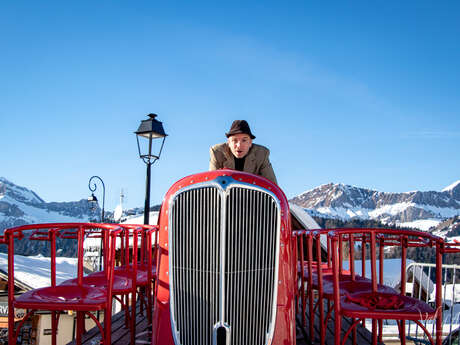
[362,93]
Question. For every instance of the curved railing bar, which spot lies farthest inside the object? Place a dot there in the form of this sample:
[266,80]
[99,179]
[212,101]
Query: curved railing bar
[21,323]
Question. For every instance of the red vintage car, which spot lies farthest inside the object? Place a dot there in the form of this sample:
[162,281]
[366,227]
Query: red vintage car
[226,269]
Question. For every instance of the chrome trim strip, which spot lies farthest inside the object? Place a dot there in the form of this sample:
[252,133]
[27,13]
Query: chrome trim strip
[223,221]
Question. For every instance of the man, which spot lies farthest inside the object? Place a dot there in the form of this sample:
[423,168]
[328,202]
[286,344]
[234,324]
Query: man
[239,153]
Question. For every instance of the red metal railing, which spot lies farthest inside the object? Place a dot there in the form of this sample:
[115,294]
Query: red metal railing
[321,273]
[86,293]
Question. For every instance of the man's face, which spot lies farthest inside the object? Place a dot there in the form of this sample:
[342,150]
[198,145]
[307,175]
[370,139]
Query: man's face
[239,144]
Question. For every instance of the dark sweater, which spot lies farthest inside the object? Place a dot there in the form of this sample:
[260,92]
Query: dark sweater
[239,163]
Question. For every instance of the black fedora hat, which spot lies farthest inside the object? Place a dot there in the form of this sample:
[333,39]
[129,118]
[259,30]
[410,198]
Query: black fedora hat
[240,127]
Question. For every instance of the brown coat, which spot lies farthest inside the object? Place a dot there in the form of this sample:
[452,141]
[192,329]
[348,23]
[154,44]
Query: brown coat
[256,162]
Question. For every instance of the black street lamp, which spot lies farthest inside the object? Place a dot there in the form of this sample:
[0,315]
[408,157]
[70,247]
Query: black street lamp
[93,198]
[149,129]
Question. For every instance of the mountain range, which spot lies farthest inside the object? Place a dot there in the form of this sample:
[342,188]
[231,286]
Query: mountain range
[438,210]
[416,209]
[19,205]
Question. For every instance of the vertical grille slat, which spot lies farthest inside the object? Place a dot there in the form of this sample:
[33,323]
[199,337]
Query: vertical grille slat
[223,260]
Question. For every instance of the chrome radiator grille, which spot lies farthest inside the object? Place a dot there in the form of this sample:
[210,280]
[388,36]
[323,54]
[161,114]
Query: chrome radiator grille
[223,261]
[195,230]
[250,265]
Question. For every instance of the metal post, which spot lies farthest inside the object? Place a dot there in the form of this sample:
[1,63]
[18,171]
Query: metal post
[147,195]
[150,129]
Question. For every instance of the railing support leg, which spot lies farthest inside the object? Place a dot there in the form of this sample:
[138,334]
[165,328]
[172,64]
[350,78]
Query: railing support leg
[403,332]
[53,328]
[374,332]
[133,317]
[80,327]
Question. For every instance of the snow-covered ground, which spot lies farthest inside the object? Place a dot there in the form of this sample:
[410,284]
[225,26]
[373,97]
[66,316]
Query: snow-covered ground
[35,271]
[422,224]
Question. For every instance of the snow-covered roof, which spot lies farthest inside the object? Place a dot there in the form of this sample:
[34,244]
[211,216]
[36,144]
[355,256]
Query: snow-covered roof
[307,221]
[139,218]
[303,217]
[35,271]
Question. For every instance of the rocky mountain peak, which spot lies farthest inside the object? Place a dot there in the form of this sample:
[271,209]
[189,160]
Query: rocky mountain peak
[334,195]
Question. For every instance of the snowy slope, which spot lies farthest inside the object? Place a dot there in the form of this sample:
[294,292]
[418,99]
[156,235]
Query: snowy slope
[19,205]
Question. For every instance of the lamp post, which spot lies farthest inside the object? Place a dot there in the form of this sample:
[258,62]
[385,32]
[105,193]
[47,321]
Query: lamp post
[150,129]
[93,198]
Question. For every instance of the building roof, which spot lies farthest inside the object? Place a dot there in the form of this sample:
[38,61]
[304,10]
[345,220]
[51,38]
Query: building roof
[32,272]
